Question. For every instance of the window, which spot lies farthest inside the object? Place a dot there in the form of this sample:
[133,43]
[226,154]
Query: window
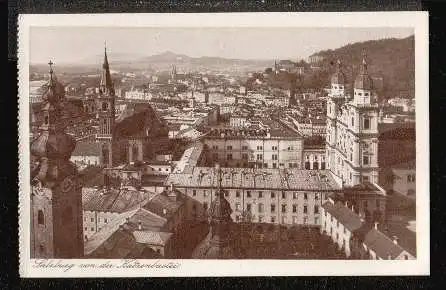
[274,156]
[244,147]
[92,229]
[365,160]
[229,157]
[86,229]
[265,165]
[274,148]
[229,147]
[295,195]
[353,121]
[40,218]
[92,219]
[237,218]
[237,206]
[283,195]
[260,207]
[284,208]
[248,193]
[294,208]
[273,219]
[281,164]
[237,193]
[248,207]
[273,208]
[316,209]
[205,193]
[316,220]
[259,147]
[305,220]
[315,165]
[46,120]
[205,205]
[284,220]
[260,219]
[294,219]
[259,156]
[104,106]
[273,194]
[290,165]
[307,165]
[260,194]
[305,209]
[411,178]
[305,196]
[274,165]
[366,123]
[290,148]
[316,196]
[227,193]
[245,156]
[194,192]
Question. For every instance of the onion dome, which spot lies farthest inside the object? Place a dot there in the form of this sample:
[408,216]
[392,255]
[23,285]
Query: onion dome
[338,77]
[57,145]
[55,90]
[363,81]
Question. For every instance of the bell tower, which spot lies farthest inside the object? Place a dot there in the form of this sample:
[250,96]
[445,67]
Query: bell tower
[106,113]
[56,196]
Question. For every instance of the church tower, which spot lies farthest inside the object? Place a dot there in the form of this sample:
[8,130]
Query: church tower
[106,113]
[363,133]
[335,99]
[56,196]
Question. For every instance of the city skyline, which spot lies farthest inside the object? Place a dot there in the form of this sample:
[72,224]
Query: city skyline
[81,45]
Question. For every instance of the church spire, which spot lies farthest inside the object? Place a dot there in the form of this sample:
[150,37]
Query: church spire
[106,85]
[363,68]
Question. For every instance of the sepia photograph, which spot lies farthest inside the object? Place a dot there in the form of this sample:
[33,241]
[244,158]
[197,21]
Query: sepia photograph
[186,141]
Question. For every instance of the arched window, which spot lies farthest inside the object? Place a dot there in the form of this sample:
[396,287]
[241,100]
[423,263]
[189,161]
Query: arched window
[104,106]
[40,218]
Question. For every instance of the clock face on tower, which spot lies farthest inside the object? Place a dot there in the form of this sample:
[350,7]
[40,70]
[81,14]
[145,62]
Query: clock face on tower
[67,184]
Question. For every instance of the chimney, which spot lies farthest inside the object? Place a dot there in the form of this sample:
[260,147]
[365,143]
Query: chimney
[127,219]
[353,208]
[395,240]
[139,225]
[376,226]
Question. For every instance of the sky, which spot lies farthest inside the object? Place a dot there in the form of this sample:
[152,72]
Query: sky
[76,44]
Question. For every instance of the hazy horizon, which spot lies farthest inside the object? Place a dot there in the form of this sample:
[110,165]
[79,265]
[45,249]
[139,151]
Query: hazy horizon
[71,45]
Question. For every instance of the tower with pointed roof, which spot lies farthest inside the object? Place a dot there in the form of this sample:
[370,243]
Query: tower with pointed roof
[106,113]
[352,129]
[56,197]
[217,244]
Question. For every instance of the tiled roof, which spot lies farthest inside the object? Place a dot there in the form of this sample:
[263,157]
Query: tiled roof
[152,238]
[267,178]
[114,200]
[344,215]
[382,245]
[161,201]
[106,232]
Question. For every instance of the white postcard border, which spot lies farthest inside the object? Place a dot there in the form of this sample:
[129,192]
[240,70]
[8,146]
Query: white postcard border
[420,266]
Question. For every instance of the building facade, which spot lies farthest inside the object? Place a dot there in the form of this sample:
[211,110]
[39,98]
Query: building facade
[253,148]
[352,129]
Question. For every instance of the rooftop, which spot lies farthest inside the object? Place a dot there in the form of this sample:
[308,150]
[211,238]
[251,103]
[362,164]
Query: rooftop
[343,214]
[114,200]
[274,179]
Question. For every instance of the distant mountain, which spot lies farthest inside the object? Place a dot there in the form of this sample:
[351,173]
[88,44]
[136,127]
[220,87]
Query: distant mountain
[392,59]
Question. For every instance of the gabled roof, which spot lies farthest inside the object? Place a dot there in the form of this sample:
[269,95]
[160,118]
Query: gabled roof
[344,215]
[382,245]
[152,238]
[114,200]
